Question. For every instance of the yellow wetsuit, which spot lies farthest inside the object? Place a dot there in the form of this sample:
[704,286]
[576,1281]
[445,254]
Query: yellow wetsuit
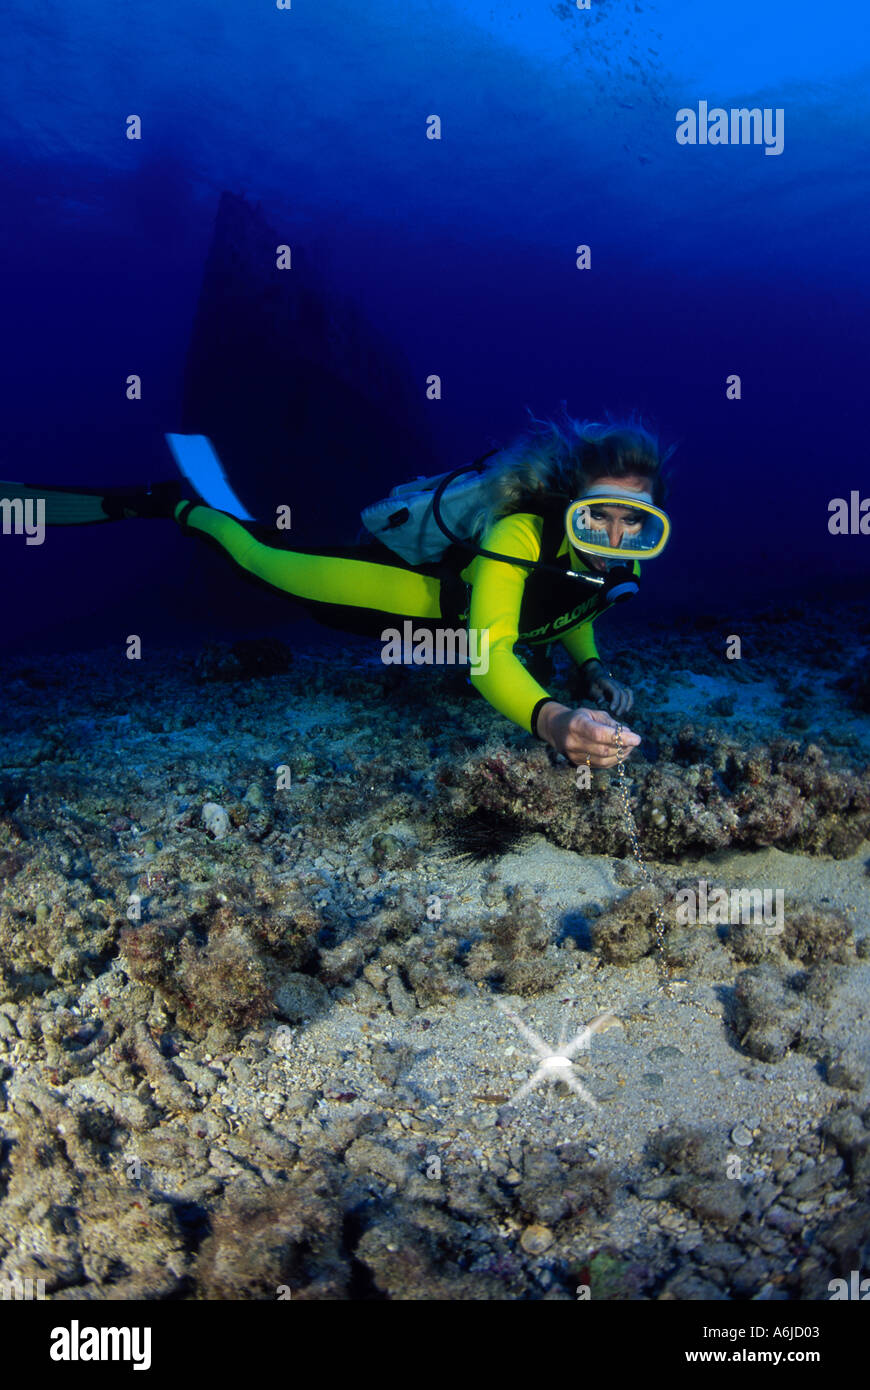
[510,602]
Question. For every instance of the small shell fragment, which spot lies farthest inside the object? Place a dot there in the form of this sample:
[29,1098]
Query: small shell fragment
[604,1021]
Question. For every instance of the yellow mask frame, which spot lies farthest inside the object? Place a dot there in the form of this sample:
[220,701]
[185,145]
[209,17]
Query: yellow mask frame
[646,544]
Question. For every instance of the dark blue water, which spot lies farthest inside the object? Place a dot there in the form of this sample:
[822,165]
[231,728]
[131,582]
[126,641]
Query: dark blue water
[414,256]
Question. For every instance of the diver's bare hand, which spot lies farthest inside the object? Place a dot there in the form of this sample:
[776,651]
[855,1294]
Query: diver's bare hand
[585,735]
[601,686]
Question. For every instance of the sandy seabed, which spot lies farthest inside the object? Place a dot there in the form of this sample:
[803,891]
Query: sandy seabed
[280,1043]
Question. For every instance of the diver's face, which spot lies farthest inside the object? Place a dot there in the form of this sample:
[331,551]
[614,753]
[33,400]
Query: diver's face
[615,522]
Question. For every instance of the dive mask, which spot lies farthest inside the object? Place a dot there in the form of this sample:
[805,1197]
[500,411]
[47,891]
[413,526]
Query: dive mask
[640,533]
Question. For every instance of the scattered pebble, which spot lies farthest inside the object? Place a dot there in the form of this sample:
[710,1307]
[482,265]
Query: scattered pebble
[536,1239]
[215,820]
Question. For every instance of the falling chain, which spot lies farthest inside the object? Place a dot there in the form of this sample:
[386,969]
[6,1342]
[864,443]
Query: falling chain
[668,983]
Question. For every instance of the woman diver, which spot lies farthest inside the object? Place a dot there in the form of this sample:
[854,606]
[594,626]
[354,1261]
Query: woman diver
[560,522]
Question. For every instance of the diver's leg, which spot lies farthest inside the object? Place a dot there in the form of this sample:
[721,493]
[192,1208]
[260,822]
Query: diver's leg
[335,580]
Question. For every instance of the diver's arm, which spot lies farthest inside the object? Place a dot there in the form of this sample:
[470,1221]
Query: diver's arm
[579,643]
[496,598]
[597,682]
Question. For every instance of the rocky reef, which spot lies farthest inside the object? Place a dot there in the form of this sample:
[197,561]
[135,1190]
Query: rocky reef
[703,792]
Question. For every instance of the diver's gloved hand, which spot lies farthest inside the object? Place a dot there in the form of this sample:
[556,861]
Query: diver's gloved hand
[601,686]
[585,735]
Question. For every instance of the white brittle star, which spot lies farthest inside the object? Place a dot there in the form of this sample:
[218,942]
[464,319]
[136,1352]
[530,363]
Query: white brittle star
[557,1065]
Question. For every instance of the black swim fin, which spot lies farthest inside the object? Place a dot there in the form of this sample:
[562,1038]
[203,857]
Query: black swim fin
[203,482]
[65,506]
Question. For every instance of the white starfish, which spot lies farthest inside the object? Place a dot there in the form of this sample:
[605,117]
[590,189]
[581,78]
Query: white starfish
[557,1065]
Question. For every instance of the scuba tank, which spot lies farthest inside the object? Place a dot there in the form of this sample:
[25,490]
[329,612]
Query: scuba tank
[412,520]
[420,521]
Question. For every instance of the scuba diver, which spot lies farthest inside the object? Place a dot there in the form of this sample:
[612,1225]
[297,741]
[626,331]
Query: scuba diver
[530,548]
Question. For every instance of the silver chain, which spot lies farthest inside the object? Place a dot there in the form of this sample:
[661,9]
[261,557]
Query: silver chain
[668,983]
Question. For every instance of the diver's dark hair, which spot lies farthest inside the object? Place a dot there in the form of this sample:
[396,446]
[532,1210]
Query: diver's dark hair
[566,456]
